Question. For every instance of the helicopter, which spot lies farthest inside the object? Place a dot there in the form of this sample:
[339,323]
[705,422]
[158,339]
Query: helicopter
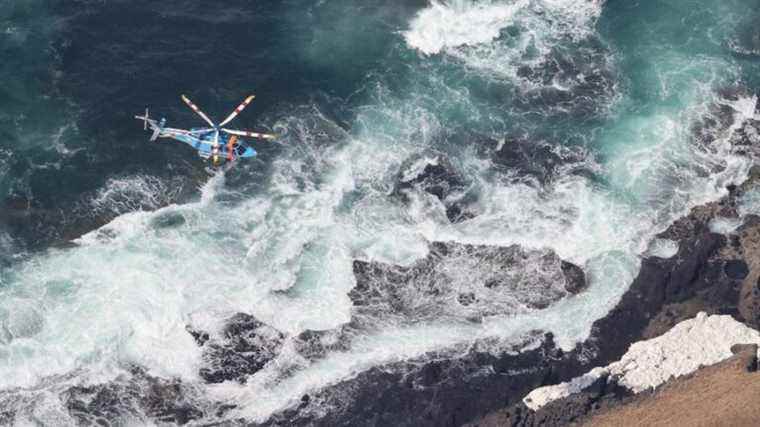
[216,142]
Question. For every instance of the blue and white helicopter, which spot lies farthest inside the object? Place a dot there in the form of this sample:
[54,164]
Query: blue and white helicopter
[216,142]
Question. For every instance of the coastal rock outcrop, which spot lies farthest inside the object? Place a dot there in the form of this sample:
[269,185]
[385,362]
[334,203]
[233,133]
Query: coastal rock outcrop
[244,346]
[434,174]
[465,282]
[577,82]
[138,396]
[533,162]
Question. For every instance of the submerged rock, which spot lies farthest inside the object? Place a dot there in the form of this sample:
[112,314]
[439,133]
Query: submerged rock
[533,162]
[579,82]
[56,219]
[746,43]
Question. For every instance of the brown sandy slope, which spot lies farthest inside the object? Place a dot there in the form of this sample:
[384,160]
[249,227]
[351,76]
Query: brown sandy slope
[726,394]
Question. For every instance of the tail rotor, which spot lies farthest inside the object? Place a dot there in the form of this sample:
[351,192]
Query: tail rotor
[145,119]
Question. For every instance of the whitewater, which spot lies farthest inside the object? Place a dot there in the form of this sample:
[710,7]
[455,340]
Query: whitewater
[613,94]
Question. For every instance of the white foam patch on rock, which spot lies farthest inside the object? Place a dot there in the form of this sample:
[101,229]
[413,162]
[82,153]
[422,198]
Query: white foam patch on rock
[724,225]
[662,248]
[133,193]
[417,168]
[702,341]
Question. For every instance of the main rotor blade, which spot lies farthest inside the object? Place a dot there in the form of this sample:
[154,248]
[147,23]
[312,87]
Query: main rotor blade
[197,110]
[237,110]
[249,134]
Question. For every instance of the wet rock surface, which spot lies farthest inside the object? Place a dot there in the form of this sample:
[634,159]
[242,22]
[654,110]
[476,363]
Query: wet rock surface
[575,82]
[434,174]
[139,396]
[534,162]
[427,391]
[244,347]
[463,281]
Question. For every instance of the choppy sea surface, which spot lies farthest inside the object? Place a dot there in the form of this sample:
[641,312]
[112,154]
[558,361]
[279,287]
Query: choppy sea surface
[573,126]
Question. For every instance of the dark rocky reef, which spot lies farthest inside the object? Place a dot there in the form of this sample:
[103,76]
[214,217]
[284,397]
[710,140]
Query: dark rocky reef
[462,281]
[442,389]
[486,281]
[744,139]
[436,175]
[244,347]
[576,81]
[534,162]
[138,396]
[517,158]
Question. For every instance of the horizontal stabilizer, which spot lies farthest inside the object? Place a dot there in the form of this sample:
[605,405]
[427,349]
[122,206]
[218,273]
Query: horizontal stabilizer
[145,119]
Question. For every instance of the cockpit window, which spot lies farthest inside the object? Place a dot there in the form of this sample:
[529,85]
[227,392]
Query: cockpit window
[240,150]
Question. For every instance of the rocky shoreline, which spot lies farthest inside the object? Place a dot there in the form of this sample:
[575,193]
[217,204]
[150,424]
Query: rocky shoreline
[710,273]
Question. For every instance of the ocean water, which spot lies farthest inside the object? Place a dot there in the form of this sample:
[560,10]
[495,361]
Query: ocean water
[110,245]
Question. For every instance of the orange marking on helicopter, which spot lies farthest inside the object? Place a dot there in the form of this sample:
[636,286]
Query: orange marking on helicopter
[230,144]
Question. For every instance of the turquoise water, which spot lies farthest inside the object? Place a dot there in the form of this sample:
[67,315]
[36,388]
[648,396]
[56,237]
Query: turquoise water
[613,89]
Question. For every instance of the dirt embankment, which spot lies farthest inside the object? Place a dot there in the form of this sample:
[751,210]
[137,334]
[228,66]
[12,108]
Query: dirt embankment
[720,395]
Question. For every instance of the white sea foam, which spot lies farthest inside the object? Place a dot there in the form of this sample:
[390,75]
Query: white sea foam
[135,192]
[663,248]
[460,23]
[473,31]
[725,225]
